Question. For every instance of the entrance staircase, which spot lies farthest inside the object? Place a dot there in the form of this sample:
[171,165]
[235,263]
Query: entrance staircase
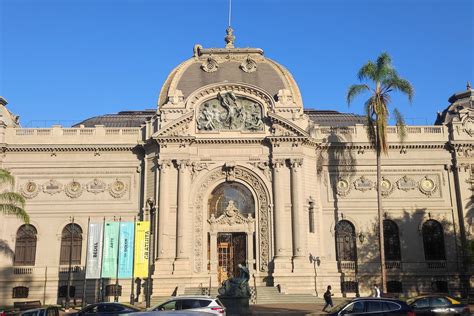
[265,295]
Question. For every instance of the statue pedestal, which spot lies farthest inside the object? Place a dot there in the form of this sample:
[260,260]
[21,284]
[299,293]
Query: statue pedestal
[236,305]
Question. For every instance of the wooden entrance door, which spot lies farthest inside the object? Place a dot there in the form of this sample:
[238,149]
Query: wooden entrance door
[231,250]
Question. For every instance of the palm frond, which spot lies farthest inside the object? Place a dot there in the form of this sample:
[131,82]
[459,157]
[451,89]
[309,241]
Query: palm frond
[12,198]
[10,209]
[403,86]
[6,177]
[401,126]
[355,90]
[368,71]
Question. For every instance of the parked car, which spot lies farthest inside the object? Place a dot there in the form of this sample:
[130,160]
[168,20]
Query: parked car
[372,306]
[201,303]
[106,309]
[174,313]
[438,305]
[42,311]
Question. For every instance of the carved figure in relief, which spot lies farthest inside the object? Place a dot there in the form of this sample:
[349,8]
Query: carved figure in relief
[234,111]
[229,112]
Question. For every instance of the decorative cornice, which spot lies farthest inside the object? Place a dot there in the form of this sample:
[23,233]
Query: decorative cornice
[173,128]
[68,148]
[289,126]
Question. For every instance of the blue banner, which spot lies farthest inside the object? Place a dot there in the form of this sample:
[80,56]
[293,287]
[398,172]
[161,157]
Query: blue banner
[126,242]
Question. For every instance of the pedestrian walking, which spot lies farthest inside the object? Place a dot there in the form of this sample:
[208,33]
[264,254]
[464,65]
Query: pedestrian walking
[328,298]
[375,291]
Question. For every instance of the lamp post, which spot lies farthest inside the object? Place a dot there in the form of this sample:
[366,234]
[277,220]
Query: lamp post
[316,261]
[151,248]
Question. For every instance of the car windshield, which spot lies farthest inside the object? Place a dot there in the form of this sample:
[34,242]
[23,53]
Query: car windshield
[339,306]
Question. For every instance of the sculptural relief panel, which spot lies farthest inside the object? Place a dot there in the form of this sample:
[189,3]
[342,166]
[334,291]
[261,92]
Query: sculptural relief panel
[228,111]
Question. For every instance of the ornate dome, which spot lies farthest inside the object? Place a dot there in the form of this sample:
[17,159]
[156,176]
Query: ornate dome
[228,65]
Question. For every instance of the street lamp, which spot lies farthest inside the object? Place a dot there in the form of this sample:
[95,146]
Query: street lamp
[151,248]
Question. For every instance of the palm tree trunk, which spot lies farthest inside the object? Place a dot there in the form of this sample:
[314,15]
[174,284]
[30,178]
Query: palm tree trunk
[380,218]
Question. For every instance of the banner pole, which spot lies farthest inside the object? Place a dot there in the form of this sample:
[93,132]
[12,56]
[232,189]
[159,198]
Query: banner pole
[117,269]
[84,303]
[132,291]
[101,283]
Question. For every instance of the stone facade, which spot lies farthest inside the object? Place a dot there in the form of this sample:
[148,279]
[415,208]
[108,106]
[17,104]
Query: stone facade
[232,119]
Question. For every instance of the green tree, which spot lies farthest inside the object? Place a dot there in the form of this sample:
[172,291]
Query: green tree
[384,80]
[11,203]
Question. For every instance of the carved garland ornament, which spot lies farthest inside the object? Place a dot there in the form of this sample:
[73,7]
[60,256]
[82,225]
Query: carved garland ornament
[210,64]
[248,65]
[262,211]
[406,184]
[363,184]
[96,186]
[52,187]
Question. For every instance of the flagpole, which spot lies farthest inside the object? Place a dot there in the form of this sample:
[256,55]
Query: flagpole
[101,283]
[117,268]
[85,266]
[132,292]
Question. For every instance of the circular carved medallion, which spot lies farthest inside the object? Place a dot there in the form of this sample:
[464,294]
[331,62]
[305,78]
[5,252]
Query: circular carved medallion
[73,189]
[117,189]
[30,189]
[386,187]
[343,187]
[427,186]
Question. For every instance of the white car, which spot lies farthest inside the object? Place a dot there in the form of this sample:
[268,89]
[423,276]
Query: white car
[200,303]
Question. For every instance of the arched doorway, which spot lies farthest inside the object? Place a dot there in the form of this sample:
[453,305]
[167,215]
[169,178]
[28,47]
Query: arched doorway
[230,205]
[256,227]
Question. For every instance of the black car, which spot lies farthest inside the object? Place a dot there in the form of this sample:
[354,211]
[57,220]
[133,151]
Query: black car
[106,309]
[433,305]
[372,306]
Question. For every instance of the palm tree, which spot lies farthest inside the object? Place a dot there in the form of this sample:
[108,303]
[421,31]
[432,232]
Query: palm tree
[11,203]
[385,80]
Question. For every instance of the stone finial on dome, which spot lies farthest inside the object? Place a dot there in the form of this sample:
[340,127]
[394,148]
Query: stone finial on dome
[468,86]
[229,38]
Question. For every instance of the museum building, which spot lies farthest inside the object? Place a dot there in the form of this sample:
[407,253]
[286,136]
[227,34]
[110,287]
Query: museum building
[230,168]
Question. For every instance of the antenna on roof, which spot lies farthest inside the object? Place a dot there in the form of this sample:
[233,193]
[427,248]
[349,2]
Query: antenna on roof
[230,13]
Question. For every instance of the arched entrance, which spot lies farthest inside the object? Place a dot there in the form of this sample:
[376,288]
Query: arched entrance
[244,221]
[231,204]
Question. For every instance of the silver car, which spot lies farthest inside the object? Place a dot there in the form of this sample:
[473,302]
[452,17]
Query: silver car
[200,303]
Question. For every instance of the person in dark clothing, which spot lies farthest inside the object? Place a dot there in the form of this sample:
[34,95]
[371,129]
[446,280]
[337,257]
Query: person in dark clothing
[328,298]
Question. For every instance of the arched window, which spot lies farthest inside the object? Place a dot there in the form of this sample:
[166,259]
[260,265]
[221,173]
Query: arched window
[71,244]
[345,241]
[391,240]
[234,191]
[25,246]
[433,240]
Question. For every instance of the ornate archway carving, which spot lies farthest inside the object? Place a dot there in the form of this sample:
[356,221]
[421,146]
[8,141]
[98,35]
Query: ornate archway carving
[261,204]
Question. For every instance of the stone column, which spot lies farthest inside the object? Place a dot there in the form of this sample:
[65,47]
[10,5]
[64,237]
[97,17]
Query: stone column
[213,255]
[182,246]
[183,203]
[297,213]
[250,259]
[281,238]
[163,211]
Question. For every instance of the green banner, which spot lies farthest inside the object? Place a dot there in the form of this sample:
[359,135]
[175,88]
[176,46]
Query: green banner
[110,252]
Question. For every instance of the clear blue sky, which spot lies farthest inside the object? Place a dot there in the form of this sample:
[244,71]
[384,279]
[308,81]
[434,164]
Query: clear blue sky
[72,59]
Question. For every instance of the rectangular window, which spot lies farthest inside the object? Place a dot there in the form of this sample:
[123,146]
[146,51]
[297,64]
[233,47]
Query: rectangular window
[20,292]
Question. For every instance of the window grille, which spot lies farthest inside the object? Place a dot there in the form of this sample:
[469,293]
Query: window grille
[71,240]
[345,241]
[433,240]
[25,246]
[20,292]
[391,240]
[394,287]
